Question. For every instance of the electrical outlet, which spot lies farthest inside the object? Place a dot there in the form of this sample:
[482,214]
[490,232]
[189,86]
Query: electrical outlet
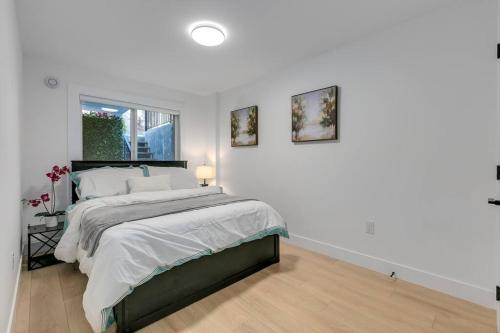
[370,227]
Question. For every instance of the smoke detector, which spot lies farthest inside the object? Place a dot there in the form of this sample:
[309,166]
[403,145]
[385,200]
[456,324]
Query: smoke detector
[51,82]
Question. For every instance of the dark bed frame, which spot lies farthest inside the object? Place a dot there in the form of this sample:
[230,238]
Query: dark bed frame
[175,289]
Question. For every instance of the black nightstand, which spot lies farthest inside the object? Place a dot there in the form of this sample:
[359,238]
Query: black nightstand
[48,238]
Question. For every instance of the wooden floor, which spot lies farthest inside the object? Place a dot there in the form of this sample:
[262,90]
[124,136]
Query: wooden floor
[305,292]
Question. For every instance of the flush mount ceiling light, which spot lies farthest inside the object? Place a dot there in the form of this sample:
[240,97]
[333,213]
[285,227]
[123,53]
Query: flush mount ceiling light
[208,33]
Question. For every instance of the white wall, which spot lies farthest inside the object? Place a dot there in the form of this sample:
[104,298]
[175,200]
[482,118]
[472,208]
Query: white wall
[10,166]
[416,152]
[45,115]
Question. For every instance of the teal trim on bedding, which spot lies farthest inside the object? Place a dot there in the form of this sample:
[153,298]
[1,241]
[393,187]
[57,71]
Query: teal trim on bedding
[145,170]
[66,211]
[75,177]
[107,315]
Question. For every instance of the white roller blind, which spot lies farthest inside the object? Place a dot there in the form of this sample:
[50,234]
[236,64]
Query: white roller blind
[126,104]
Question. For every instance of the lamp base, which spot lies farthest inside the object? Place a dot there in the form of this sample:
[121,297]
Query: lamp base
[203,185]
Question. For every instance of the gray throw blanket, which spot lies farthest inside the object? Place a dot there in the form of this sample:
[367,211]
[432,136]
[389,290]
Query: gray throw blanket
[95,222]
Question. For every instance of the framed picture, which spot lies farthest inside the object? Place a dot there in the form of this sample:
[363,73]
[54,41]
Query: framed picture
[244,127]
[314,115]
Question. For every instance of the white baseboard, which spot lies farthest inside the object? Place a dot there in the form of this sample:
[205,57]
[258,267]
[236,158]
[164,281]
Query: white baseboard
[460,289]
[14,297]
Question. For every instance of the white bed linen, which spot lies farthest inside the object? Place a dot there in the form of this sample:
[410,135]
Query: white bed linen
[131,253]
[105,181]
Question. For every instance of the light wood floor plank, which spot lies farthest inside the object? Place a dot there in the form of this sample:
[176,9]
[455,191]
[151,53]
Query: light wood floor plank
[76,317]
[47,311]
[22,316]
[73,283]
[305,292]
[443,303]
[449,322]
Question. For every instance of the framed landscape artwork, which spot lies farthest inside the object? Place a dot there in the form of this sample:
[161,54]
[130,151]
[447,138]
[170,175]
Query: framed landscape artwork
[244,127]
[314,115]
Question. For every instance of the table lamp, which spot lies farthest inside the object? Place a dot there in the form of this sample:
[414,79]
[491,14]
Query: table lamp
[205,172]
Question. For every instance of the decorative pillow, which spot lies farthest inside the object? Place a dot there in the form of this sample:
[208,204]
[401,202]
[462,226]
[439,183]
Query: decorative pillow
[149,184]
[180,178]
[102,182]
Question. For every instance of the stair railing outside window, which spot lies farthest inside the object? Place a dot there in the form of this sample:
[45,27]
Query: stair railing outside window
[115,132]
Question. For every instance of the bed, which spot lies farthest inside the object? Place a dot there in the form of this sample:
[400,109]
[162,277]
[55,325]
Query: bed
[179,286]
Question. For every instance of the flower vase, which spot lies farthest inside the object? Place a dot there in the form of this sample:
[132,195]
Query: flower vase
[50,221]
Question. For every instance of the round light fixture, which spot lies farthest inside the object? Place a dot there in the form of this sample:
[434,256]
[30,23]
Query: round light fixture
[208,34]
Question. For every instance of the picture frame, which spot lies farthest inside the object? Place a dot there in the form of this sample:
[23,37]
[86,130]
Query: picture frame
[245,127]
[314,115]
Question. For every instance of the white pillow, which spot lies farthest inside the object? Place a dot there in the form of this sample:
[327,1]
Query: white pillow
[149,184]
[180,178]
[103,182]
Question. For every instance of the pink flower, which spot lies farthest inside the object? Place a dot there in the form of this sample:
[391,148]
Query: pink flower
[62,171]
[54,177]
[58,170]
[55,174]
[101,115]
[34,203]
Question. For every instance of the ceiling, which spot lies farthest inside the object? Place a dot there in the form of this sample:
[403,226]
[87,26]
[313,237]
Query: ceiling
[148,41]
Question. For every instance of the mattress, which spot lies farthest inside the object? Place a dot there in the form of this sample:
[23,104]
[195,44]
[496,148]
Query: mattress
[131,253]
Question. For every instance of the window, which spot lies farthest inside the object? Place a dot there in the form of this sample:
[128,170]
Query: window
[122,131]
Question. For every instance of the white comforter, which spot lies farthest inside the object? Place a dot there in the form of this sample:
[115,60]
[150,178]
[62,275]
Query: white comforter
[131,253]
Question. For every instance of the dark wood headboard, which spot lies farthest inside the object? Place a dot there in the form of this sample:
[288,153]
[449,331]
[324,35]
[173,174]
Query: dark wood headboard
[85,165]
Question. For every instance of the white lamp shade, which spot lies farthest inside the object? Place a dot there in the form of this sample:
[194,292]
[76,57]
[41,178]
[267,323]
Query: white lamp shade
[205,172]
